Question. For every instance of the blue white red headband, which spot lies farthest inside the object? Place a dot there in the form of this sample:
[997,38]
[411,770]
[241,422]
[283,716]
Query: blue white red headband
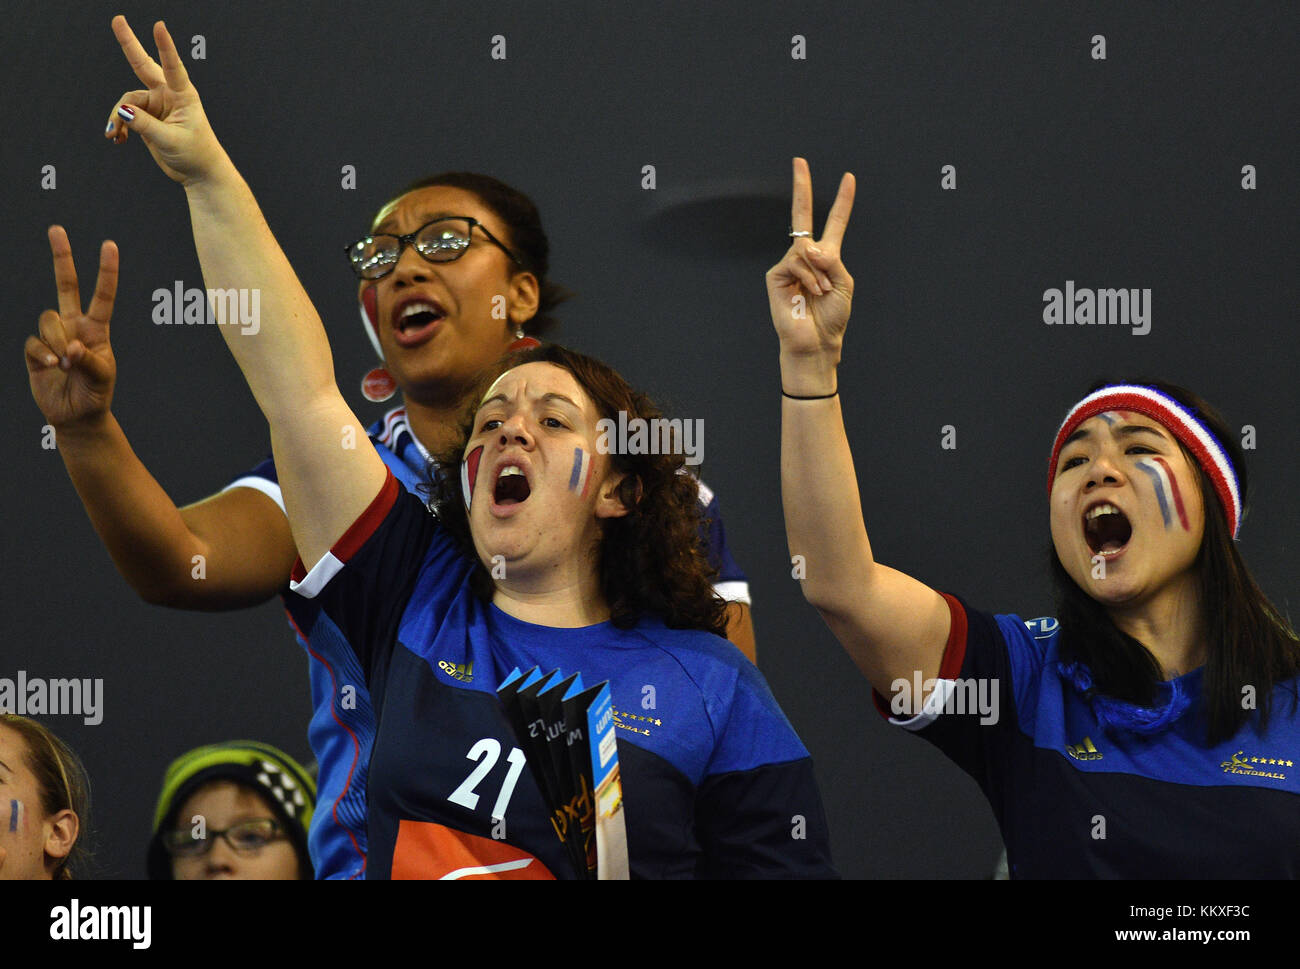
[1176,419]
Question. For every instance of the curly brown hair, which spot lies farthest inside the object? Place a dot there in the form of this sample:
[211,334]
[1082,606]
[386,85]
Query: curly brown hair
[652,560]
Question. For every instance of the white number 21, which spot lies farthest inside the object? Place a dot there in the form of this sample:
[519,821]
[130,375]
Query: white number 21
[487,751]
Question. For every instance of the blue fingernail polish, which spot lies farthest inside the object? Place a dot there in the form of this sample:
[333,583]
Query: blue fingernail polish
[109,129]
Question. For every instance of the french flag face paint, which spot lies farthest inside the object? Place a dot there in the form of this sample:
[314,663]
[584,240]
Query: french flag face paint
[370,318]
[15,815]
[1123,400]
[580,476]
[1169,497]
[469,474]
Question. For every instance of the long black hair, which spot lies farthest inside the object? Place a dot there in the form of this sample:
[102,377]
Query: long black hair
[1250,646]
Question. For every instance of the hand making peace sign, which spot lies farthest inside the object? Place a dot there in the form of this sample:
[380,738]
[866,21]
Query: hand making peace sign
[809,290]
[70,365]
[168,116]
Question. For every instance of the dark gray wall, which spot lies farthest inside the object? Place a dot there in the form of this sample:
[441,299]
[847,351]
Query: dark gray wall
[1117,172]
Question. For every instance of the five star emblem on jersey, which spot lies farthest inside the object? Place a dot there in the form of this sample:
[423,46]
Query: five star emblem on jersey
[1083,751]
[1256,766]
[642,726]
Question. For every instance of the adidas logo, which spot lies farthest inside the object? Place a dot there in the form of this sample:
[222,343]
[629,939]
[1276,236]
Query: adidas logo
[457,671]
[1083,751]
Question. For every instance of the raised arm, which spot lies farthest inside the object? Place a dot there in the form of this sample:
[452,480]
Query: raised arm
[890,624]
[327,471]
[232,550]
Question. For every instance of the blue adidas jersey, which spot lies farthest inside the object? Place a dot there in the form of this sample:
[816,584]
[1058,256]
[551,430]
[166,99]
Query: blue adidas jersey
[1076,801]
[342,727]
[715,781]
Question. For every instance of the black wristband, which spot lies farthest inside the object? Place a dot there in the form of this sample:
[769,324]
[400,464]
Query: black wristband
[822,397]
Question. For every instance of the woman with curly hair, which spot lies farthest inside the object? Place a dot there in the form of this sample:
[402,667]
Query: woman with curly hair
[654,562]
[451,273]
[715,781]
[44,803]
[549,553]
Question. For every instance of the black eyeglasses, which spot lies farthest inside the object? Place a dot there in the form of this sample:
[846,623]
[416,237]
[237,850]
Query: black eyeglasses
[246,838]
[442,240]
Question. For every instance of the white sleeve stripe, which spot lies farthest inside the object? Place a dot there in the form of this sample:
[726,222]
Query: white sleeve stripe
[268,488]
[934,705]
[733,591]
[319,576]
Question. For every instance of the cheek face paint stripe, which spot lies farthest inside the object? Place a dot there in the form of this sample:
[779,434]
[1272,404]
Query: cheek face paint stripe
[581,469]
[1178,495]
[469,474]
[370,303]
[15,814]
[1160,486]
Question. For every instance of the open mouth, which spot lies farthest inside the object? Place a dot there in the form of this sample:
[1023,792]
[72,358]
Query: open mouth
[416,319]
[1106,529]
[511,487]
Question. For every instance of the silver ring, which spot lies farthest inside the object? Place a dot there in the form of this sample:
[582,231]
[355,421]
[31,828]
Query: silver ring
[799,235]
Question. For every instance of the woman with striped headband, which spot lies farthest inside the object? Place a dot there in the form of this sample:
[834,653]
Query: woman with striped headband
[1151,729]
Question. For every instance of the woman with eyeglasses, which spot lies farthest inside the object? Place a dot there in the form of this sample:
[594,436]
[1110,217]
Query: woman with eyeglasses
[236,810]
[1151,729]
[44,804]
[452,274]
[546,552]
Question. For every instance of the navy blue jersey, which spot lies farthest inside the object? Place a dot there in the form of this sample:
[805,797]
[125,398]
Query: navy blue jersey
[1074,800]
[715,781]
[342,727]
